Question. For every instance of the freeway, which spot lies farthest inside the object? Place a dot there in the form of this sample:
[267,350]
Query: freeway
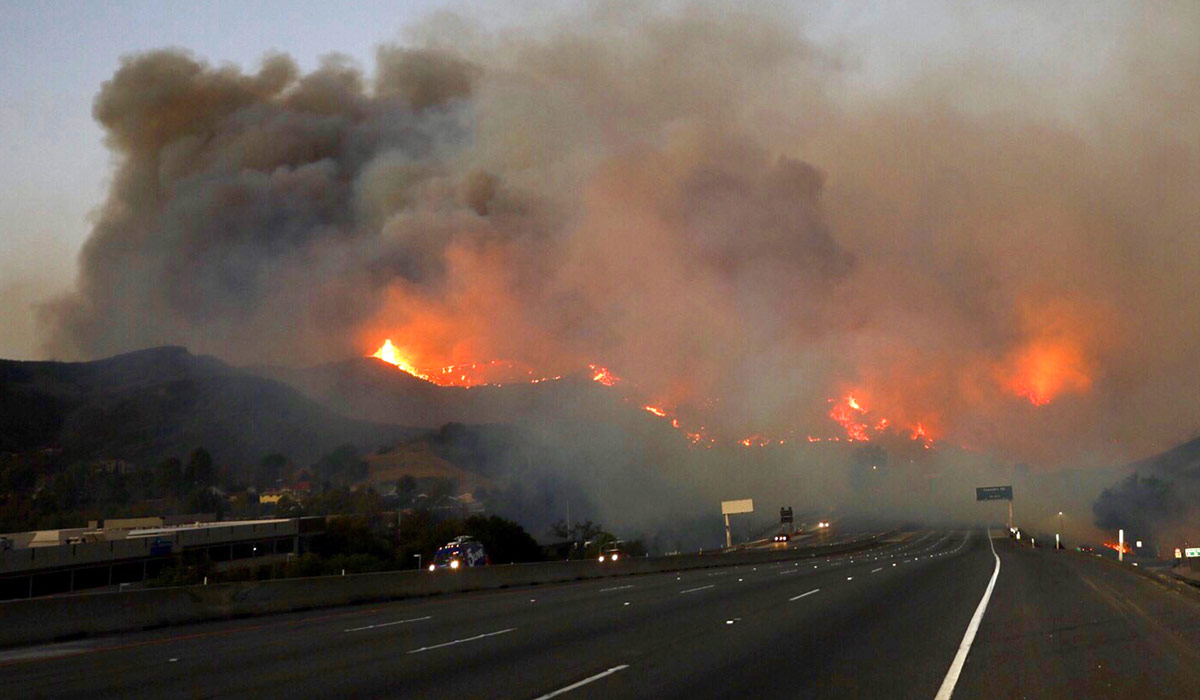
[931,614]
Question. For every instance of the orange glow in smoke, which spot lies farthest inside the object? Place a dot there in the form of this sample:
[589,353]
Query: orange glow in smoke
[1046,369]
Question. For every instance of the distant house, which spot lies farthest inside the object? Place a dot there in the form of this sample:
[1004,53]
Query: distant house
[114,466]
[272,497]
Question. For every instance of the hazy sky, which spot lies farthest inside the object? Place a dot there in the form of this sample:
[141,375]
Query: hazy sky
[55,55]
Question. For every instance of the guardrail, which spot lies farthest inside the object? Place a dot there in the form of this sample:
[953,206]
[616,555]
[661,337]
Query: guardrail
[39,620]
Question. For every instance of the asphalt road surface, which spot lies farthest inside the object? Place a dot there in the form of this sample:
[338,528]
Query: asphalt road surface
[889,623]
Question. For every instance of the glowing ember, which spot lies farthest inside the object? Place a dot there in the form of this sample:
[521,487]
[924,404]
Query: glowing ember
[757,441]
[602,375]
[655,410]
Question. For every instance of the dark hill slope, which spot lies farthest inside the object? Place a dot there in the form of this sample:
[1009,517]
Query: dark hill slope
[153,403]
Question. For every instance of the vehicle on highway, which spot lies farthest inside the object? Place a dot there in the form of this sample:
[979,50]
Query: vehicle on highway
[612,553]
[460,552]
[782,537]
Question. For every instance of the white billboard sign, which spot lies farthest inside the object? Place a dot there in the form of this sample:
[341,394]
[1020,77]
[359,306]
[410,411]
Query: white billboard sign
[745,505]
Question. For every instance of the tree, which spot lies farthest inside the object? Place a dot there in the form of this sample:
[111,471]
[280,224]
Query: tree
[203,499]
[342,465]
[505,541]
[287,507]
[1139,505]
[200,469]
[580,531]
[270,469]
[168,477]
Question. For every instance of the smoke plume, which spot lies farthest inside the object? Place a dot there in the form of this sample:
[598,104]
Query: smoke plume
[696,199]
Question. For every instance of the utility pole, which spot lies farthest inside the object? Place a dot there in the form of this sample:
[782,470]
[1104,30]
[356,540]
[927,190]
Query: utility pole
[1121,545]
[728,534]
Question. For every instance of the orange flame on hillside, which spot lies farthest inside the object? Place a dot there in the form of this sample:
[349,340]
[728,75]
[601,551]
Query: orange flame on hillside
[601,375]
[388,353]
[850,412]
[493,372]
[846,413]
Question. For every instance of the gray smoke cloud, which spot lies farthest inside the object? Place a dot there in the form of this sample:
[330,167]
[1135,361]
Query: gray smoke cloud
[694,198]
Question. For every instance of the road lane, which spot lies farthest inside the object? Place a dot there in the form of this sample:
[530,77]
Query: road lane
[1068,625]
[560,635]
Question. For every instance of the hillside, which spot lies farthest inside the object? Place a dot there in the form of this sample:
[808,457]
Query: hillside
[146,405]
[370,389]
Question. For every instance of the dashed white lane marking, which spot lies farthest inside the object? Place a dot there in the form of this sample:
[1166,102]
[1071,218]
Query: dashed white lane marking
[460,641]
[615,588]
[802,595]
[877,570]
[585,681]
[964,648]
[389,624]
[701,588]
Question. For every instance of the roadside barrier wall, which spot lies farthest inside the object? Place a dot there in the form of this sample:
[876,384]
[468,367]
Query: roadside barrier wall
[39,620]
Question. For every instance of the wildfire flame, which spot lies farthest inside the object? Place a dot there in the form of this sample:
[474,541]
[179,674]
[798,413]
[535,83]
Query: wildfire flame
[602,375]
[849,412]
[1043,370]
[1116,547]
[388,353]
[846,413]
[463,375]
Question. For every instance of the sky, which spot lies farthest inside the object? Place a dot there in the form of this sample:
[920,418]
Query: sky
[53,58]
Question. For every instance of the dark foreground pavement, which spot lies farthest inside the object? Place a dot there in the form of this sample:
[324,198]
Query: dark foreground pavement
[884,624]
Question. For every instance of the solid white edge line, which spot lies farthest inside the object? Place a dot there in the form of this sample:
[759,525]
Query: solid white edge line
[583,682]
[815,590]
[615,588]
[389,624]
[460,641]
[964,648]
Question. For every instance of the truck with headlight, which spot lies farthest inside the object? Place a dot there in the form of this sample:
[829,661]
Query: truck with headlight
[461,552]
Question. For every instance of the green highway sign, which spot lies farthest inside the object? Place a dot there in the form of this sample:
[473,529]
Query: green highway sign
[1192,552]
[993,493]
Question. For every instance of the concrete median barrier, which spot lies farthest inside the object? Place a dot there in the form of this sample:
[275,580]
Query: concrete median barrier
[40,620]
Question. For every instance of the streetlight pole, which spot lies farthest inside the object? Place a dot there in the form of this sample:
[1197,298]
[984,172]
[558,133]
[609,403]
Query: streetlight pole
[1057,535]
[418,556]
